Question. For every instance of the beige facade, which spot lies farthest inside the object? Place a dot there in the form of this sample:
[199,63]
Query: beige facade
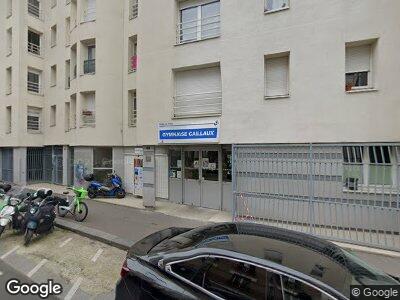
[268,71]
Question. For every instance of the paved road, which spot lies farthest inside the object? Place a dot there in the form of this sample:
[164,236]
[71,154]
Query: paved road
[130,223]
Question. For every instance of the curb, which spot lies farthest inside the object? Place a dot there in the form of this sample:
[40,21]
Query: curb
[95,234]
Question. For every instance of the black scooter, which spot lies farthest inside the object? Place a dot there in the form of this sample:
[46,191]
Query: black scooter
[39,218]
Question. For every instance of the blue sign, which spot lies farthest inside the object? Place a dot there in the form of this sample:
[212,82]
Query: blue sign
[182,133]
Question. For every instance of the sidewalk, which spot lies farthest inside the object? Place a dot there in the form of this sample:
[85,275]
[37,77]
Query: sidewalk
[122,222]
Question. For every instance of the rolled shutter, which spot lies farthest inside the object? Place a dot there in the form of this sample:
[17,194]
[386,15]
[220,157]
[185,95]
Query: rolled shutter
[277,76]
[358,59]
[198,92]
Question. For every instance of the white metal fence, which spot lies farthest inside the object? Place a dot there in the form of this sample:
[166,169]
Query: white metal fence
[321,189]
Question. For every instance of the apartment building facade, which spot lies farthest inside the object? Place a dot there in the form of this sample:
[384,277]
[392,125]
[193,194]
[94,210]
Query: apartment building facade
[159,91]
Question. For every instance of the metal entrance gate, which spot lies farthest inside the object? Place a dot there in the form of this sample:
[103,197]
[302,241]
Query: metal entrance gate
[7,164]
[45,164]
[341,192]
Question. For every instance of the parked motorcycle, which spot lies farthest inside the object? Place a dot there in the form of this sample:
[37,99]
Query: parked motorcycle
[12,214]
[76,207]
[112,187]
[4,188]
[40,215]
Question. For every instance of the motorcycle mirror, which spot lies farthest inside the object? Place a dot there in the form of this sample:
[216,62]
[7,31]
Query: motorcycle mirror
[65,193]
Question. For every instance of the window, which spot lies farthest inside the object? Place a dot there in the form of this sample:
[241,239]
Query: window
[53,36]
[9,81]
[34,42]
[9,42]
[226,165]
[276,5]
[132,109]
[175,164]
[276,77]
[73,112]
[53,75]
[102,162]
[53,3]
[199,22]
[133,9]
[9,8]
[89,65]
[297,290]
[34,85]
[198,92]
[67,31]
[34,8]
[380,168]
[88,109]
[53,115]
[89,13]
[67,74]
[358,67]
[230,279]
[34,118]
[132,54]
[67,118]
[352,166]
[210,165]
[8,119]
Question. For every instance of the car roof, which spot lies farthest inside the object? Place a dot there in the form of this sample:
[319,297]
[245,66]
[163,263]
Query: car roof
[301,252]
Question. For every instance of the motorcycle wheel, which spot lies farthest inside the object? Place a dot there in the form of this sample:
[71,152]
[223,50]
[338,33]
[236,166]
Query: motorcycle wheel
[60,212]
[91,194]
[1,230]
[121,194]
[28,236]
[81,215]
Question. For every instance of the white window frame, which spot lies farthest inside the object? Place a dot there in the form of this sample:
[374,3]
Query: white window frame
[276,9]
[133,9]
[34,49]
[53,116]
[132,109]
[38,114]
[53,36]
[53,76]
[35,11]
[370,84]
[39,83]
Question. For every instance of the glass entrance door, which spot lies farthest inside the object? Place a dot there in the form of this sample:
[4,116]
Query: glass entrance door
[210,179]
[192,183]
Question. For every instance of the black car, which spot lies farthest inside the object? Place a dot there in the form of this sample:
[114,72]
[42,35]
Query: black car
[241,261]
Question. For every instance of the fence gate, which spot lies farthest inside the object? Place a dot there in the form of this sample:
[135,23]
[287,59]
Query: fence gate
[34,164]
[7,164]
[346,193]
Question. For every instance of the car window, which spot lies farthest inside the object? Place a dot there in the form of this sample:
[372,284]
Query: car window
[230,279]
[297,290]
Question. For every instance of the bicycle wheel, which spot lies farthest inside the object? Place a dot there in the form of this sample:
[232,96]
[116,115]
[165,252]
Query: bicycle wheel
[81,215]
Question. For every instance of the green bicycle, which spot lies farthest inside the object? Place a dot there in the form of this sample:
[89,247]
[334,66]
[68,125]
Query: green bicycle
[77,207]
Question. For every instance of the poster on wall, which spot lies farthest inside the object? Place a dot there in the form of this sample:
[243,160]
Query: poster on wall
[138,177]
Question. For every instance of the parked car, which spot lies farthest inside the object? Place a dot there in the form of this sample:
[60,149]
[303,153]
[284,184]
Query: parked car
[241,261]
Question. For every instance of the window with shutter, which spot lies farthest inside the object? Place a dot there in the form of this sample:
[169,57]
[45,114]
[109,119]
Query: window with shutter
[33,118]
[198,93]
[358,66]
[277,76]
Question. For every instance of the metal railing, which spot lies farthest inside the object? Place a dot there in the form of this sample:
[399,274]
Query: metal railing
[133,9]
[34,87]
[198,29]
[200,104]
[34,49]
[88,118]
[89,14]
[89,66]
[35,11]
[309,188]
[133,63]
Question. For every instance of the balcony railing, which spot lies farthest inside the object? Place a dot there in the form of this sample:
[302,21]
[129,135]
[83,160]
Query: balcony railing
[198,29]
[88,118]
[133,9]
[89,14]
[34,49]
[34,87]
[133,63]
[89,66]
[199,104]
[35,11]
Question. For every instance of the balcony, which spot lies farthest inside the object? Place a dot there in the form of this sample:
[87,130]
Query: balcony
[199,29]
[34,87]
[35,11]
[88,118]
[133,63]
[133,9]
[34,49]
[89,66]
